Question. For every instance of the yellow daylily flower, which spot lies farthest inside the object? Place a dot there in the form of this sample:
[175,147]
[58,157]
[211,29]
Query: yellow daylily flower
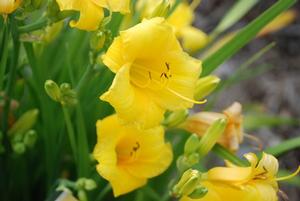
[181,20]
[9,6]
[256,182]
[233,134]
[91,11]
[153,74]
[128,156]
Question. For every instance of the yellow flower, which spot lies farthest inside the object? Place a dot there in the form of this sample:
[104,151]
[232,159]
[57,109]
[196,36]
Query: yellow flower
[257,182]
[153,74]
[233,134]
[128,156]
[181,20]
[91,11]
[8,6]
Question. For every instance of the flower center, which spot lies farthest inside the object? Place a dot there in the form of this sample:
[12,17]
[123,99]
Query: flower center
[157,78]
[127,151]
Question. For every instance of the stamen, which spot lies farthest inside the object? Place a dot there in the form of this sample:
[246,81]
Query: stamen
[289,176]
[185,98]
[255,139]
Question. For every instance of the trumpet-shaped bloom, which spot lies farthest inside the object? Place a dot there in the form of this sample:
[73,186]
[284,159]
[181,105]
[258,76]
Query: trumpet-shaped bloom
[233,134]
[128,156]
[91,11]
[8,6]
[256,182]
[181,20]
[153,74]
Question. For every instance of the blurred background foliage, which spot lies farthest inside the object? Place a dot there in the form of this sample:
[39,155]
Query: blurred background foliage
[263,76]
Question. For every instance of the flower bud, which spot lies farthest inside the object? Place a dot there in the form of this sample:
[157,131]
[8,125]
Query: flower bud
[82,195]
[97,40]
[30,138]
[66,195]
[19,147]
[191,145]
[86,184]
[25,122]
[53,90]
[52,31]
[211,136]
[187,183]
[182,163]
[162,9]
[175,118]
[205,86]
[9,6]
[69,96]
[198,193]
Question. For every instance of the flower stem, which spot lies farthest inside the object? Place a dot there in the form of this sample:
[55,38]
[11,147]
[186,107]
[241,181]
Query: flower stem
[4,55]
[101,195]
[284,147]
[70,130]
[34,26]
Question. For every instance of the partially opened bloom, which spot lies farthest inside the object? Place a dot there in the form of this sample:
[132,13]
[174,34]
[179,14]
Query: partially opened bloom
[9,6]
[257,182]
[181,20]
[91,11]
[233,134]
[128,156]
[153,74]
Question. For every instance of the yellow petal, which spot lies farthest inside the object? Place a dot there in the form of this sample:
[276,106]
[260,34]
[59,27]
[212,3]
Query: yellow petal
[132,104]
[182,17]
[230,174]
[122,6]
[148,40]
[113,58]
[269,163]
[8,6]
[91,14]
[155,156]
[193,39]
[185,72]
[124,165]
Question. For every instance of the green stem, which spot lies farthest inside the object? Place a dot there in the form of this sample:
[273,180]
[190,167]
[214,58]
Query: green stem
[227,155]
[34,26]
[102,194]
[84,79]
[4,55]
[70,130]
[283,147]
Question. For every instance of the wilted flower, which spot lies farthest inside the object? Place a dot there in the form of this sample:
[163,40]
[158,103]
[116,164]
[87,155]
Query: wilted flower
[233,134]
[128,156]
[91,11]
[153,74]
[256,182]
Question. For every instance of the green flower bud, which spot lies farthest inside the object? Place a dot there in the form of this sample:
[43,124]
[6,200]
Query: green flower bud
[30,138]
[19,147]
[90,184]
[25,122]
[193,159]
[162,9]
[69,96]
[187,184]
[198,193]
[97,40]
[53,90]
[191,145]
[211,136]
[82,195]
[182,163]
[175,118]
[205,86]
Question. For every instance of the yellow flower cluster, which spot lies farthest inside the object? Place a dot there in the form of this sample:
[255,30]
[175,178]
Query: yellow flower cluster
[256,182]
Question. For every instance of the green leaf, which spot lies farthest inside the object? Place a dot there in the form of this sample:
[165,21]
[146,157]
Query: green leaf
[244,36]
[284,147]
[239,9]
